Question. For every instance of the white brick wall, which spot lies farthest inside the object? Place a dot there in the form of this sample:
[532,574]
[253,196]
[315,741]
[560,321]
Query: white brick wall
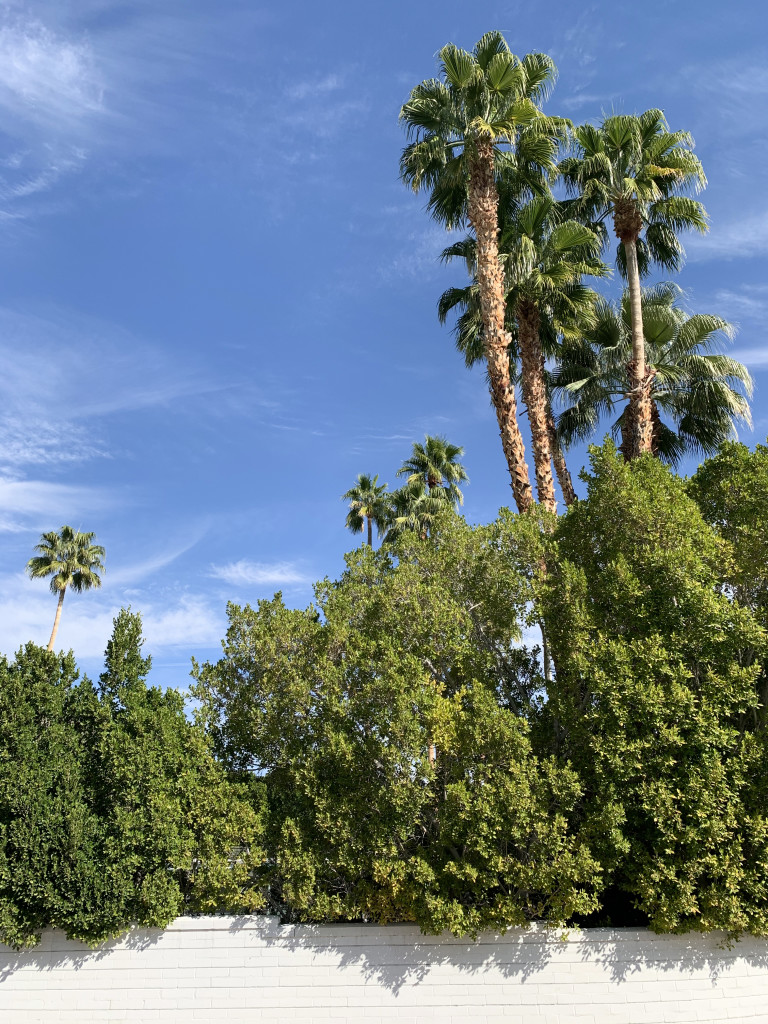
[230,970]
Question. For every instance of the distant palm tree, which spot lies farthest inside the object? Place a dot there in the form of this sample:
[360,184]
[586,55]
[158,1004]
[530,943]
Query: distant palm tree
[633,169]
[413,507]
[435,464]
[367,505]
[71,559]
[695,386]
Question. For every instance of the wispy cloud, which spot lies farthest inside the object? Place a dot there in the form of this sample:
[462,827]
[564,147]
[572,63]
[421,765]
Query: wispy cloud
[27,609]
[51,104]
[273,574]
[749,302]
[30,504]
[600,102]
[135,572]
[418,253]
[132,375]
[47,79]
[745,236]
[751,357]
[313,87]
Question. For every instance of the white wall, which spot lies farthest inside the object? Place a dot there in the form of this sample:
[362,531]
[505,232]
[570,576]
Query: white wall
[231,970]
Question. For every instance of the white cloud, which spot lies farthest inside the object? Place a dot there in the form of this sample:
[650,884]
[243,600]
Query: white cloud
[750,302]
[137,571]
[313,87]
[746,236]
[46,78]
[29,504]
[128,374]
[27,610]
[752,357]
[583,99]
[274,574]
[419,255]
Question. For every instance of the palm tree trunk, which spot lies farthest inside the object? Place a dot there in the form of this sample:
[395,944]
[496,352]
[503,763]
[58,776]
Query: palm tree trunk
[57,619]
[627,225]
[370,532]
[535,397]
[484,217]
[655,428]
[558,457]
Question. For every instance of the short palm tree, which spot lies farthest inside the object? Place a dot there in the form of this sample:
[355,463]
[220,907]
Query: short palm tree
[467,125]
[692,384]
[435,465]
[71,559]
[368,505]
[413,508]
[633,169]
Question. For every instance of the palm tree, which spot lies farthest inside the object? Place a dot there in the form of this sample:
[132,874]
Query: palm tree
[466,127]
[435,465]
[700,390]
[71,559]
[413,507]
[544,258]
[367,505]
[635,170]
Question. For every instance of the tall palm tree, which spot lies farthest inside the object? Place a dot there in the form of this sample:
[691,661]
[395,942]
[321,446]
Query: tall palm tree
[435,465]
[368,504]
[544,259]
[71,559]
[466,127]
[692,384]
[633,169]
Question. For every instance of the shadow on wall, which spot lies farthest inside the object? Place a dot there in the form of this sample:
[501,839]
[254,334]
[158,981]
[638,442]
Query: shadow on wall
[55,951]
[400,955]
[403,955]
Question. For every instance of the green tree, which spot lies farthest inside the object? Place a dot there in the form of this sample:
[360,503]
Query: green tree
[633,169]
[647,702]
[368,505]
[337,707]
[71,559]
[113,811]
[731,491]
[691,382]
[467,125]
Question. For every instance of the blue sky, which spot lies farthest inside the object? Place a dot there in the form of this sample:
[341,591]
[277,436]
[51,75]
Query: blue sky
[217,302]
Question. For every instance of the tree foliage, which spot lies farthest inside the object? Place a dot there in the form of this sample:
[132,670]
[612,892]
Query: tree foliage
[112,809]
[337,706]
[649,702]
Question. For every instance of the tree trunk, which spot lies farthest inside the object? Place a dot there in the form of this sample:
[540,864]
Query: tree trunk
[655,428]
[370,532]
[535,397]
[57,619]
[627,224]
[484,217]
[558,457]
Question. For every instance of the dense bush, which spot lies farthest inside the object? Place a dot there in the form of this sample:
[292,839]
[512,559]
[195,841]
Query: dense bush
[338,707]
[656,676]
[394,752]
[112,809]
